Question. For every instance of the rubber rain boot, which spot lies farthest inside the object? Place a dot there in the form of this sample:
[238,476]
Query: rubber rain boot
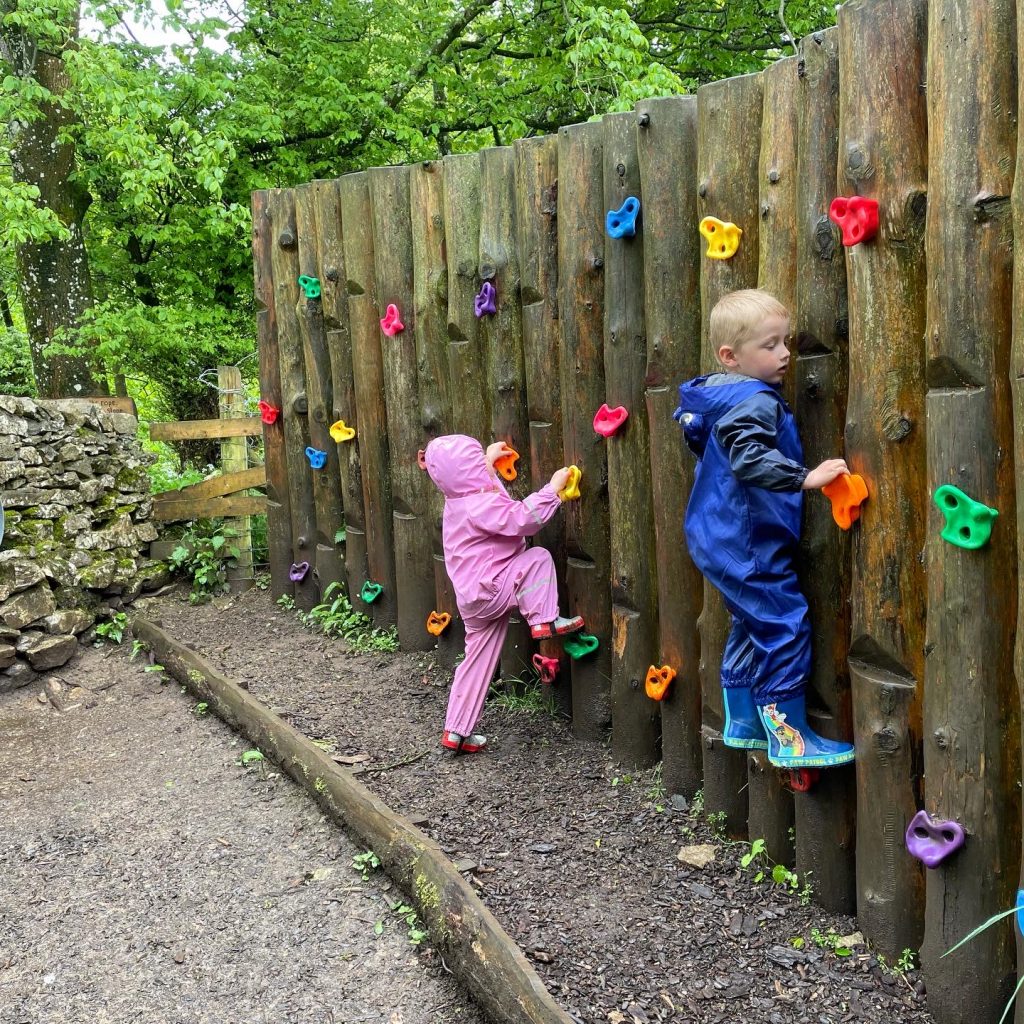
[743,729]
[793,744]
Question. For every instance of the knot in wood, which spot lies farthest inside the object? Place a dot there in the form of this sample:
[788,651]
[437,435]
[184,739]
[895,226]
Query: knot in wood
[825,238]
[702,189]
[332,274]
[286,239]
[644,120]
[801,68]
[487,271]
[773,176]
[302,541]
[620,169]
[596,263]
[300,404]
[887,741]
[765,210]
[941,737]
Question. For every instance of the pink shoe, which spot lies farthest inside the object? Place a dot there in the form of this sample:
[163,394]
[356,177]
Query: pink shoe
[560,627]
[463,744]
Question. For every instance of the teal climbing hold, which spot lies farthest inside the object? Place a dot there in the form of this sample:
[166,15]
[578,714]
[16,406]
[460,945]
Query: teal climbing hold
[580,645]
[968,522]
[310,285]
[370,592]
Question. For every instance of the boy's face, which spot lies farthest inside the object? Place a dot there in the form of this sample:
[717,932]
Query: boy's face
[764,354]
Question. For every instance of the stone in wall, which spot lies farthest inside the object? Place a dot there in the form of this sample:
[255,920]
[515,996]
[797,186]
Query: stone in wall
[75,492]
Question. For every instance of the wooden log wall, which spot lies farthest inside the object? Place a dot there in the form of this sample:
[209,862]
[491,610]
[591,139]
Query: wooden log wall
[905,361]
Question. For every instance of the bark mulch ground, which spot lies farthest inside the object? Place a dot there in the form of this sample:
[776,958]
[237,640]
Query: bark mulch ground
[146,875]
[575,857]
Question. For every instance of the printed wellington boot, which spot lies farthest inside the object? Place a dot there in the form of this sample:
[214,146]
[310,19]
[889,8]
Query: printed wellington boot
[793,744]
[463,744]
[560,627]
[743,729]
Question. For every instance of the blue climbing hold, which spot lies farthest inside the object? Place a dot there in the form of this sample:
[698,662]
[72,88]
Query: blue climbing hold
[621,223]
[1020,910]
[316,458]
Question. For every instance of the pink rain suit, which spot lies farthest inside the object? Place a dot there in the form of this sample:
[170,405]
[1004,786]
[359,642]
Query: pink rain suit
[490,566]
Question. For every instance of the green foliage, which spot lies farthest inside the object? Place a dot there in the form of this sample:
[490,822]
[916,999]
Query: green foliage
[203,557]
[408,914]
[251,757]
[113,630]
[335,617]
[523,694]
[831,941]
[201,709]
[366,863]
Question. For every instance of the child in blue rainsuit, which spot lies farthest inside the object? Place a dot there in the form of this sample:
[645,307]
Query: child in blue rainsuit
[743,528]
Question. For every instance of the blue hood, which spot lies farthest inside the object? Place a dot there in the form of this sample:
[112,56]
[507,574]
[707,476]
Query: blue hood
[701,407]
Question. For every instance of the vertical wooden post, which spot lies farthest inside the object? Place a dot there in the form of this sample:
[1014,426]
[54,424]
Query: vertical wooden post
[826,816]
[502,336]
[368,379]
[234,457]
[320,392]
[883,155]
[636,719]
[279,527]
[294,403]
[728,117]
[430,301]
[334,301]
[770,803]
[537,198]
[971,732]
[581,248]
[392,231]
[667,155]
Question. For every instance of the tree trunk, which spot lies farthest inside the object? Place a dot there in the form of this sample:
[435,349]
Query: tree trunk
[53,275]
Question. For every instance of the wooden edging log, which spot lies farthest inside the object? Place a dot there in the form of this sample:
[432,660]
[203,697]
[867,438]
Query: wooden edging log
[883,155]
[971,723]
[482,956]
[580,303]
[825,816]
[636,719]
[770,802]
[728,117]
[667,156]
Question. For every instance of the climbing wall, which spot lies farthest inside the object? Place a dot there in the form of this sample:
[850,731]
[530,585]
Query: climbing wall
[553,294]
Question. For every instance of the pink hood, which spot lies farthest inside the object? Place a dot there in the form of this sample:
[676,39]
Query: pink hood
[457,465]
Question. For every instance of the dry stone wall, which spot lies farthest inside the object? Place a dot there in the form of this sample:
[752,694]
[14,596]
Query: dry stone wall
[76,499]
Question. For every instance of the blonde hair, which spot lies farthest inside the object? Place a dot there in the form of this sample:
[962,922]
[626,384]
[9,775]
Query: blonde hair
[737,314]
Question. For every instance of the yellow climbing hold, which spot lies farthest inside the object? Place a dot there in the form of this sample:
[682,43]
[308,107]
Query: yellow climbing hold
[723,238]
[572,488]
[341,432]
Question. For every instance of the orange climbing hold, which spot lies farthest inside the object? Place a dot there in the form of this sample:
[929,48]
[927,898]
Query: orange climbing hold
[847,493]
[505,463]
[658,680]
[571,491]
[438,622]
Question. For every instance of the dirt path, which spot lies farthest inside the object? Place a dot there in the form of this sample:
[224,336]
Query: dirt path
[146,875]
[576,858]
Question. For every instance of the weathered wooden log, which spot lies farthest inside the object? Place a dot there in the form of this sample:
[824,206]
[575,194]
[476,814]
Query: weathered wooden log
[667,155]
[279,526]
[502,339]
[537,200]
[430,302]
[728,116]
[883,155]
[971,732]
[410,486]
[636,719]
[234,462]
[1017,392]
[470,399]
[334,299]
[581,246]
[483,956]
[294,407]
[826,816]
[330,566]
[368,377]
[770,803]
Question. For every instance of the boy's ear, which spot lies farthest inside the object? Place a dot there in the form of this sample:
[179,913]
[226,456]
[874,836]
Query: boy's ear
[421,459]
[726,356]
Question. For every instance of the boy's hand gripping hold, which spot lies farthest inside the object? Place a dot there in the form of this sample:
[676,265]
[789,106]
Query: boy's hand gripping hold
[824,474]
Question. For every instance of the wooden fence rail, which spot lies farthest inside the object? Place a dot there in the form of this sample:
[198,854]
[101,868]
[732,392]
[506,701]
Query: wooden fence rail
[907,361]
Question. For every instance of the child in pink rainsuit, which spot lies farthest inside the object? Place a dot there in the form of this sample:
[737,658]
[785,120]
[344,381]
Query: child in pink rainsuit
[491,568]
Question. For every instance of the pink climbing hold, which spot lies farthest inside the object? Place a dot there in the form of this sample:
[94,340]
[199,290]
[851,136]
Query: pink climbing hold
[547,668]
[391,323]
[268,412]
[607,421]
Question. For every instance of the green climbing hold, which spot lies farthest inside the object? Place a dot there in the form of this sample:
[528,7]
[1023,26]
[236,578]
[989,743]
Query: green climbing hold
[968,522]
[310,285]
[370,592]
[580,645]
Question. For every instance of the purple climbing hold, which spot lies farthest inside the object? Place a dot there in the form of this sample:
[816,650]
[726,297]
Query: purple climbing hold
[932,840]
[487,301]
[297,573]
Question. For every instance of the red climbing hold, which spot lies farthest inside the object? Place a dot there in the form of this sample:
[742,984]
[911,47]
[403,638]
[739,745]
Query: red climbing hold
[268,412]
[856,216]
[547,668]
[607,421]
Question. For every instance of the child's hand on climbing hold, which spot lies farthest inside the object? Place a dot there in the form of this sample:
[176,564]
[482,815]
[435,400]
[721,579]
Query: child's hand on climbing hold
[559,479]
[494,452]
[824,474]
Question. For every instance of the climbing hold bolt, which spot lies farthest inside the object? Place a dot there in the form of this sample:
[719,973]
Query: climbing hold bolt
[856,216]
[847,493]
[932,840]
[968,522]
[723,238]
[621,223]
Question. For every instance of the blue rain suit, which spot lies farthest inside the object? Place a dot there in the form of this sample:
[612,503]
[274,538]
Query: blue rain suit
[742,527]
